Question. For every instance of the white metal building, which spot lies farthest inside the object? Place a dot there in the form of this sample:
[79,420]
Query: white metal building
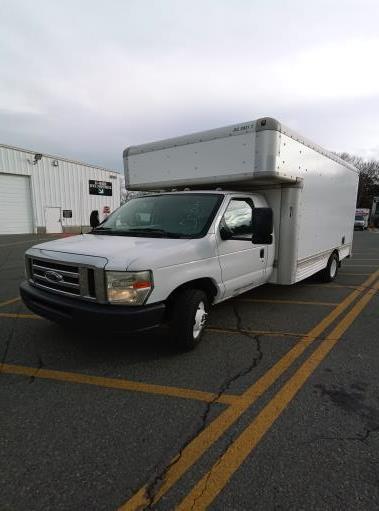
[42,193]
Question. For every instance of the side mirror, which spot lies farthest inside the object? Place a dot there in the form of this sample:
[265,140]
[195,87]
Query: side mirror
[225,233]
[262,225]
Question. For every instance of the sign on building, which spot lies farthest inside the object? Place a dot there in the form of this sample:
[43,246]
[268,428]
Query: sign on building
[100,188]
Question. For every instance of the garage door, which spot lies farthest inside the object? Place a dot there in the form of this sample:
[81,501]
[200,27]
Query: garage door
[15,205]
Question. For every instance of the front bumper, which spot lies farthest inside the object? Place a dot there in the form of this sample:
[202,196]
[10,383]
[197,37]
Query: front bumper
[88,314]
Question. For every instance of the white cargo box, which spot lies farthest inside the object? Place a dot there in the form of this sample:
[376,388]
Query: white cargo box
[312,192]
[235,157]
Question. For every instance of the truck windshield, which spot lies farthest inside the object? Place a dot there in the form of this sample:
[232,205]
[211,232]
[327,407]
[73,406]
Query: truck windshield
[359,218]
[165,216]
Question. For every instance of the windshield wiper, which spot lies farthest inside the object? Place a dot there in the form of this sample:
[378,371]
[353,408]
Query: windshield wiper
[100,230]
[138,232]
[159,232]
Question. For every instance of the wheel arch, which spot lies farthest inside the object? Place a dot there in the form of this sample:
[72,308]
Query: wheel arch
[206,284]
[336,251]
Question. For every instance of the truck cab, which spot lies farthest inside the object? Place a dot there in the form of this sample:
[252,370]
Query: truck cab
[145,262]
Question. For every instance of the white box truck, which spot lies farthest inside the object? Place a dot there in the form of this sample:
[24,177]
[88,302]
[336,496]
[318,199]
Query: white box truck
[361,218]
[228,210]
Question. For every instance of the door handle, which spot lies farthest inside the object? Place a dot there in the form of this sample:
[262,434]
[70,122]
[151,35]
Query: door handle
[262,253]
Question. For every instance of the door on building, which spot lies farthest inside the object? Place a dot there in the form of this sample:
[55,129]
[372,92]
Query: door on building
[53,220]
[16,214]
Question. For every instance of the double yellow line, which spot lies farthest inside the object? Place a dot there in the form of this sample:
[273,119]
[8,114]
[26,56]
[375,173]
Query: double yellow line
[210,485]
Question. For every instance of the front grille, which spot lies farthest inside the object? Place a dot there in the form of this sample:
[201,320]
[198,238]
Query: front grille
[55,276]
[85,282]
[91,283]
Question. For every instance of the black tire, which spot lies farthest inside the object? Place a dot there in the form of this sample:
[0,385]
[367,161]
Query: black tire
[187,321]
[331,270]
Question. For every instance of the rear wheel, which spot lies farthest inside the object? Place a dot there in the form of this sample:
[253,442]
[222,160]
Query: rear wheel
[330,272]
[189,313]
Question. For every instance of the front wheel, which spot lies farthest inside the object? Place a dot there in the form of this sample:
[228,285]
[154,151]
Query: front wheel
[330,272]
[188,317]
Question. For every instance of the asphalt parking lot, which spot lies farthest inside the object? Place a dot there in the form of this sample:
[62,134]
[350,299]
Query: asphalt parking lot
[278,408]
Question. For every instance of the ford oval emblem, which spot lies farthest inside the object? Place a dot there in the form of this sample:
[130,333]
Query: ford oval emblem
[53,276]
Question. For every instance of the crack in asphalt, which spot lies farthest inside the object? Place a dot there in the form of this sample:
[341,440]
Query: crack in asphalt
[6,350]
[7,347]
[159,479]
[255,362]
[9,339]
[352,401]
[369,432]
[38,368]
[358,438]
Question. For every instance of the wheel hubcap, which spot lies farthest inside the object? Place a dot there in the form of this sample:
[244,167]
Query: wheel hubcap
[200,319]
[333,268]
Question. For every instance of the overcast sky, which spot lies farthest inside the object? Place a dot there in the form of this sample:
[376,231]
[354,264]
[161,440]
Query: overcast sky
[85,79]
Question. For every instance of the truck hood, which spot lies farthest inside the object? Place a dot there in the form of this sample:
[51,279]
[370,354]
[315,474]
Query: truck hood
[131,253]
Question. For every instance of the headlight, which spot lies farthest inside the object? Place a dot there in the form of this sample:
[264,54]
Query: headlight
[129,287]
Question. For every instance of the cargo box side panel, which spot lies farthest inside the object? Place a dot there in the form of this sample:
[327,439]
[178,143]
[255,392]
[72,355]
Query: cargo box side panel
[327,207]
[217,161]
[285,201]
[273,198]
[289,233]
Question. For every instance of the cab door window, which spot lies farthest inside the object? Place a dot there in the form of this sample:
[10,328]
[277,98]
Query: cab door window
[238,218]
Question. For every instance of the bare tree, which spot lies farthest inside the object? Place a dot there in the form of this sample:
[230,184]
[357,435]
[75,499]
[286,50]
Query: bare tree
[368,186]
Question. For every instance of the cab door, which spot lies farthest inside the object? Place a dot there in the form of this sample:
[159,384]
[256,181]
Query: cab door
[243,264]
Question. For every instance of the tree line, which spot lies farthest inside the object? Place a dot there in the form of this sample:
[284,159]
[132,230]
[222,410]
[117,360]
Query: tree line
[368,187]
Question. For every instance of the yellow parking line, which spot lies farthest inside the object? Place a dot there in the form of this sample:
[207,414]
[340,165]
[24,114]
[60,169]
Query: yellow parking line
[8,302]
[293,302]
[210,485]
[329,286]
[270,333]
[349,273]
[211,328]
[117,383]
[209,435]
[16,315]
